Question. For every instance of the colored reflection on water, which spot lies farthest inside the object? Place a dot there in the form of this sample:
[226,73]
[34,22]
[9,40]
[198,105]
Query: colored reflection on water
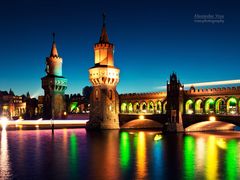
[124,150]
[189,153]
[73,155]
[200,153]
[157,151]
[5,172]
[212,158]
[77,153]
[214,153]
[231,160]
[141,156]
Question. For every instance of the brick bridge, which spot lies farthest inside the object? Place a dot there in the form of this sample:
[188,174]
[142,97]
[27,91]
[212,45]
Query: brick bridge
[194,105]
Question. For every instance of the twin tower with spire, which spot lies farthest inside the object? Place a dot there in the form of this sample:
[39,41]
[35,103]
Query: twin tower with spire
[104,76]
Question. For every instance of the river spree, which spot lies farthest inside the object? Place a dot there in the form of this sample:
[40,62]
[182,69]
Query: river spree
[113,154]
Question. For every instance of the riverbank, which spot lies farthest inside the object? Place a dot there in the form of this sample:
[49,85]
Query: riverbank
[45,124]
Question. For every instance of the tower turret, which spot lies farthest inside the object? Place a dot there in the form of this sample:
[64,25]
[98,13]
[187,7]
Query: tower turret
[54,85]
[54,61]
[104,77]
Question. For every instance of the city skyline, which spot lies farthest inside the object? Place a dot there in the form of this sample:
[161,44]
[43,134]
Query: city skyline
[148,46]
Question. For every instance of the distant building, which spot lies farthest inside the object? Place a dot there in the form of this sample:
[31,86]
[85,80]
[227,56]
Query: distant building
[12,106]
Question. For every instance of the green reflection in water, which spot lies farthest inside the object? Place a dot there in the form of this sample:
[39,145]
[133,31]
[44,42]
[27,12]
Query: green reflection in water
[124,149]
[231,159]
[189,157]
[73,155]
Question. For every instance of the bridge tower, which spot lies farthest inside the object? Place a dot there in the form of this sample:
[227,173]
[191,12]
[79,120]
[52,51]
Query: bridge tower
[104,76]
[174,105]
[54,85]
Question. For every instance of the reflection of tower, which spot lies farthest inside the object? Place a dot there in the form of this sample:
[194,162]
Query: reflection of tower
[104,76]
[174,105]
[54,85]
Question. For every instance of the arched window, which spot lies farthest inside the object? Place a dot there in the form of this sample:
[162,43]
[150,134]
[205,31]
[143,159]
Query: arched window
[209,106]
[232,105]
[96,94]
[220,106]
[151,107]
[158,107]
[136,107]
[199,106]
[164,107]
[130,108]
[123,107]
[189,107]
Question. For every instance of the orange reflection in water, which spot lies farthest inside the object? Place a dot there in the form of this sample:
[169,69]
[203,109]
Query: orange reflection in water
[104,150]
[141,156]
[65,142]
[112,148]
[4,157]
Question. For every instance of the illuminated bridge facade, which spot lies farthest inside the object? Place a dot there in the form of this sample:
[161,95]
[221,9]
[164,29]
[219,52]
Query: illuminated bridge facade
[223,101]
[178,109]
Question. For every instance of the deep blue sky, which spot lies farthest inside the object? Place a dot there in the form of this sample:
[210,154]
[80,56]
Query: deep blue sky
[152,39]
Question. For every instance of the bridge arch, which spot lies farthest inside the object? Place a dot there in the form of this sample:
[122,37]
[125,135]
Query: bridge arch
[130,107]
[232,105]
[209,106]
[189,106]
[209,126]
[124,107]
[199,106]
[136,107]
[164,107]
[158,106]
[143,106]
[142,124]
[220,106]
[151,107]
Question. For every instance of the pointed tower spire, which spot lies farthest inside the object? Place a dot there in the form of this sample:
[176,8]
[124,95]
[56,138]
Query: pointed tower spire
[54,52]
[11,92]
[104,36]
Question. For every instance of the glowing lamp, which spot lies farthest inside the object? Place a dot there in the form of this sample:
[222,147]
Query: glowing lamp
[4,122]
[157,137]
[65,113]
[212,118]
[141,117]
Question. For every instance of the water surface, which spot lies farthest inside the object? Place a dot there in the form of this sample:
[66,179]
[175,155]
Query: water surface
[113,154]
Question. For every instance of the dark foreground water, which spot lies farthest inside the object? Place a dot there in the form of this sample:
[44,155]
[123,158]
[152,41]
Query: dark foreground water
[77,154]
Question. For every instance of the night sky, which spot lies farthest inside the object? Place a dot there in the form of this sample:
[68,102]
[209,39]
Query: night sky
[152,39]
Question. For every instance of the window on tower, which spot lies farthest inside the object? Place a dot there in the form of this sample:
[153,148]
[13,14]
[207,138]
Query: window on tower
[96,94]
